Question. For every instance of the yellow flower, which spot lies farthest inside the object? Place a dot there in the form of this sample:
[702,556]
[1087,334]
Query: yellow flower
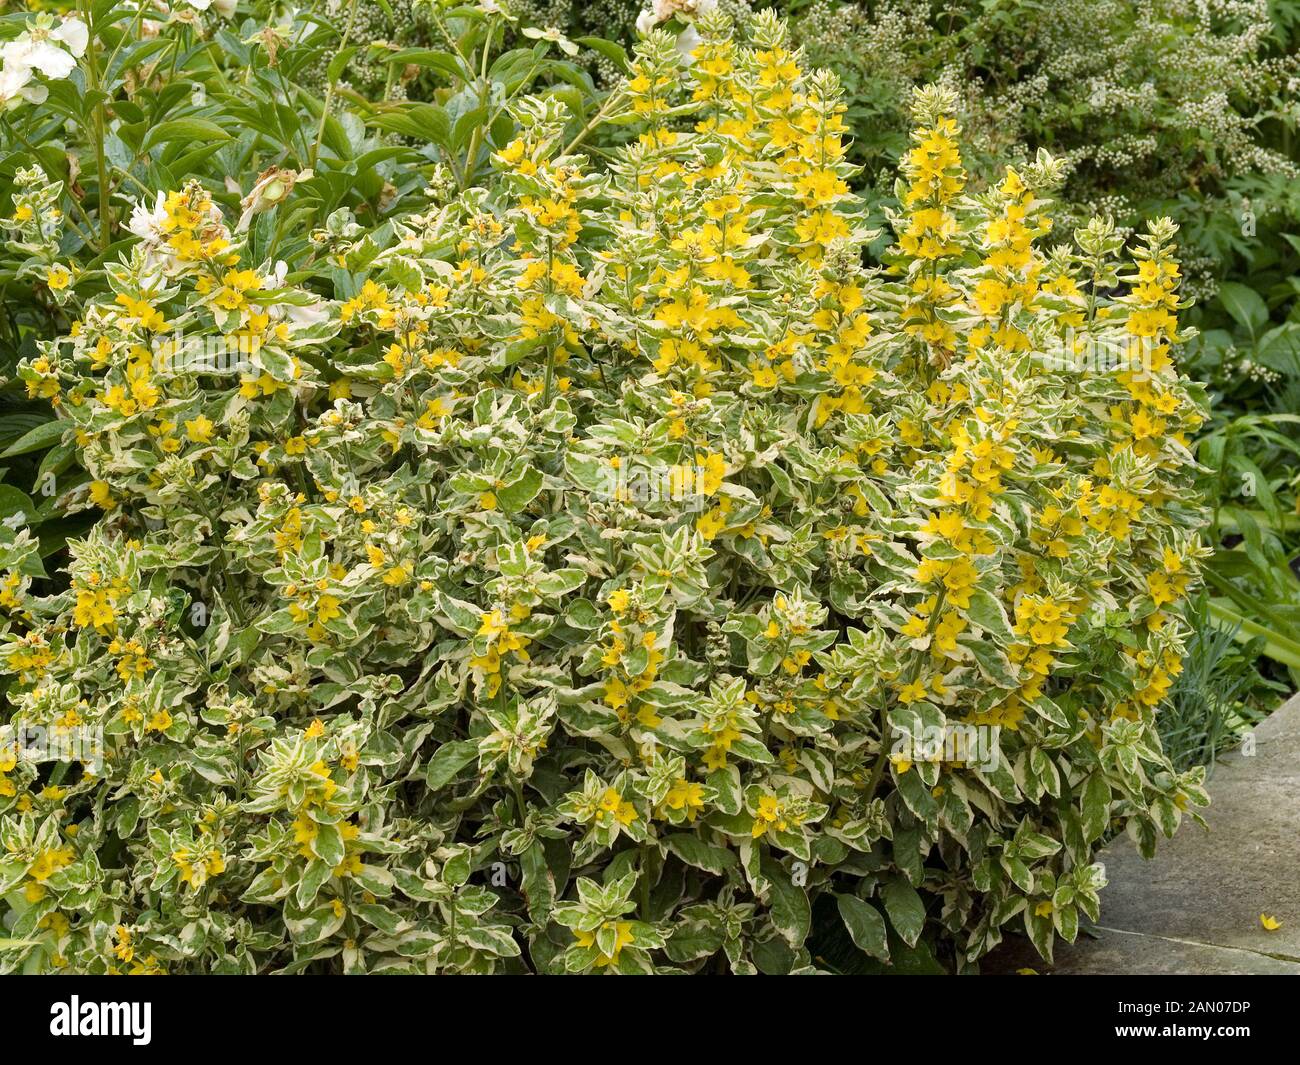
[912,692]
[199,429]
[685,795]
[48,862]
[327,609]
[612,803]
[623,937]
[768,815]
[101,495]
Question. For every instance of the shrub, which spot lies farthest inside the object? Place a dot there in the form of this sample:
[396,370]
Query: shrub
[585,583]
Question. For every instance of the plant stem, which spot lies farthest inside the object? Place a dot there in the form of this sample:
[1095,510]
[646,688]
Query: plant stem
[329,92]
[615,96]
[484,87]
[643,910]
[94,84]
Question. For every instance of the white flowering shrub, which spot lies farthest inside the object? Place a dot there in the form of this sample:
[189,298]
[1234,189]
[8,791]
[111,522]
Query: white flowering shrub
[607,568]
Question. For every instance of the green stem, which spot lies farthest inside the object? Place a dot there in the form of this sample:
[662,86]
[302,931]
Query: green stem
[550,374]
[329,91]
[484,87]
[615,96]
[94,84]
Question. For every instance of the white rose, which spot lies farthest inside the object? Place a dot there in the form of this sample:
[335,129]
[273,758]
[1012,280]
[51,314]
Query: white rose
[645,22]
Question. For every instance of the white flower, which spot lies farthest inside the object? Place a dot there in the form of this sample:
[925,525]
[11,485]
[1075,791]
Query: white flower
[15,87]
[75,35]
[27,53]
[554,36]
[687,41]
[663,10]
[147,224]
[39,48]
[224,8]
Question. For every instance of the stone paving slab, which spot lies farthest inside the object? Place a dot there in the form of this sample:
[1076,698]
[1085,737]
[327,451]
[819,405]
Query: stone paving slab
[1133,954]
[1195,907]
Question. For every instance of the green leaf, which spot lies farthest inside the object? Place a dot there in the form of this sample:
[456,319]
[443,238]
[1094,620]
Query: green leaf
[451,65]
[995,665]
[316,873]
[447,761]
[1246,306]
[1096,806]
[866,926]
[514,497]
[1279,647]
[694,851]
[561,581]
[791,911]
[987,612]
[464,619]
[905,908]
[192,130]
[615,53]
[15,501]
[42,436]
[328,845]
[538,882]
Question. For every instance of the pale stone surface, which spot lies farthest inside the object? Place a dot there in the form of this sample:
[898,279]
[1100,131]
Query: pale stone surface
[1195,907]
[1134,954]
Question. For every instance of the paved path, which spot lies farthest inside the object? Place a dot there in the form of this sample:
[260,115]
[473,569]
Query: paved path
[1195,907]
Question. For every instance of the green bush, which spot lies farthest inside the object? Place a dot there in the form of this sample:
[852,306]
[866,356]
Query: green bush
[595,568]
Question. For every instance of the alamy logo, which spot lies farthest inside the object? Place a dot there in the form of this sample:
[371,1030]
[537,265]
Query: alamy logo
[79,1018]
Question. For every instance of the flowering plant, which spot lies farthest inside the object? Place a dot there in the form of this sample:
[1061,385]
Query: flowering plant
[44,47]
[600,570]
